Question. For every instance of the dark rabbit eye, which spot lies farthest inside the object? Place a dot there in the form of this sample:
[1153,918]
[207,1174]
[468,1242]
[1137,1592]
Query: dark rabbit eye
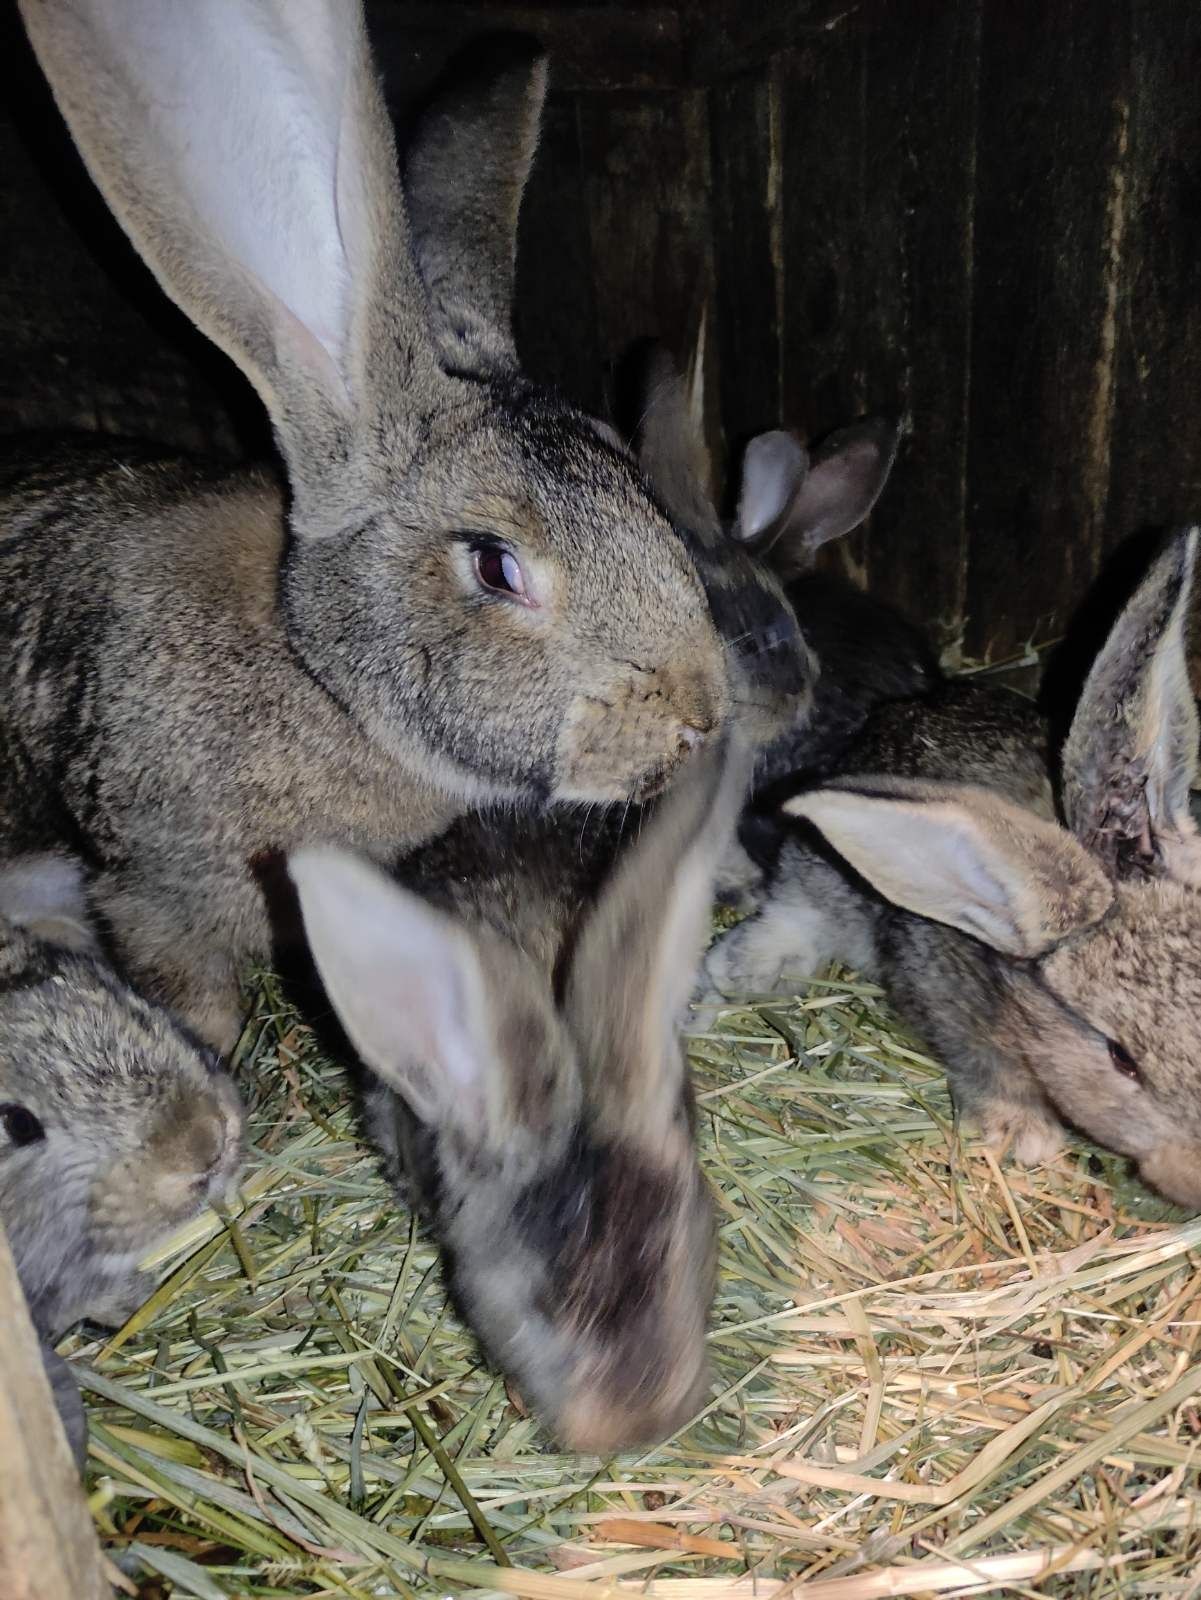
[21,1126]
[498,569]
[1124,1061]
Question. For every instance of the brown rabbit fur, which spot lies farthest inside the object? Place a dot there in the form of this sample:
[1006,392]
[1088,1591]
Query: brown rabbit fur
[465,593]
[531,1086]
[1056,968]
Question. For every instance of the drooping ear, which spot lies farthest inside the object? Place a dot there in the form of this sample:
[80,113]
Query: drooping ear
[245,149]
[465,173]
[845,478]
[635,961]
[45,897]
[405,980]
[670,442]
[1131,754]
[962,856]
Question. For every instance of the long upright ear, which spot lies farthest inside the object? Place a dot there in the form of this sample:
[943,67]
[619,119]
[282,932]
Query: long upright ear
[1131,754]
[635,962]
[671,446]
[962,856]
[465,174]
[245,149]
[405,980]
[845,478]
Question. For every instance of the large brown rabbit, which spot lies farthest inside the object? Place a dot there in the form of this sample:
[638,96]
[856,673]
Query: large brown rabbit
[465,593]
[1054,967]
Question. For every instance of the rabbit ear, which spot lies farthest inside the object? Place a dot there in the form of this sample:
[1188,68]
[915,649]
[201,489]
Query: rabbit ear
[1131,754]
[962,856]
[465,174]
[671,447]
[405,980]
[44,895]
[845,478]
[245,148]
[773,471]
[635,961]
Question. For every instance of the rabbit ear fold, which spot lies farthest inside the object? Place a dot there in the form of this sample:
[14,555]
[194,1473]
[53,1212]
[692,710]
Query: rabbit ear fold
[962,856]
[635,960]
[1131,754]
[245,148]
[404,979]
[465,173]
[844,480]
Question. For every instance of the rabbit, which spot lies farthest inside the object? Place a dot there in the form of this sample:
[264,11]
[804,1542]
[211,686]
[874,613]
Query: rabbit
[464,592]
[531,1086]
[116,1126]
[1055,966]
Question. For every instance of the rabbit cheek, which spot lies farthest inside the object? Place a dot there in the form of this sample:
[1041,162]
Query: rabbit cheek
[1175,1171]
[624,738]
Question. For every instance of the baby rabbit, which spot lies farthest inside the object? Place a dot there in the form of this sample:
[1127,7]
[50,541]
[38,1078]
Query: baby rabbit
[1055,967]
[465,593]
[532,1086]
[115,1125]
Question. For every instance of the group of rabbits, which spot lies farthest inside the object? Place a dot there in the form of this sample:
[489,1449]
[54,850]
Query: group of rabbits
[510,703]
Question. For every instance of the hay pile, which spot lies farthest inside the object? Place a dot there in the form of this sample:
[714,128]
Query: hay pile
[936,1375]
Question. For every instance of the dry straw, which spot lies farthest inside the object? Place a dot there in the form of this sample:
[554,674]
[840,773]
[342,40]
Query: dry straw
[934,1374]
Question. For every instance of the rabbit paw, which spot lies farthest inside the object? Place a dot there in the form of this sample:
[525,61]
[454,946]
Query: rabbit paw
[1030,1132]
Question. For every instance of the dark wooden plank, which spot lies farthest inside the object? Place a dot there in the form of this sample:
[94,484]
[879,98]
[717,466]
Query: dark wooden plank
[646,178]
[592,46]
[1156,445]
[915,301]
[555,320]
[744,119]
[1053,87]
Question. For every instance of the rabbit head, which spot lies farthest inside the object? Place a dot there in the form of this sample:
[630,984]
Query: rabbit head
[115,1126]
[474,571]
[771,668]
[551,1131]
[1098,923]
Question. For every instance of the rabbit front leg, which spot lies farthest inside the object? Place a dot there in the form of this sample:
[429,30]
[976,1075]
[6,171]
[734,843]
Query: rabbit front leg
[962,1000]
[811,914]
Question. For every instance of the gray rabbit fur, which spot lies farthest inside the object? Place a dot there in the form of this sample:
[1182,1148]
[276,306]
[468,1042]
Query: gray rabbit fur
[463,593]
[115,1125]
[1049,953]
[531,1093]
[569,940]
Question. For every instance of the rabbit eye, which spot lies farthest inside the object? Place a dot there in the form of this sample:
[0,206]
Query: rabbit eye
[1124,1061]
[21,1126]
[500,571]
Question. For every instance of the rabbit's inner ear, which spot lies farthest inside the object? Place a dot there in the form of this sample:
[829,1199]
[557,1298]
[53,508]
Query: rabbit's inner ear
[773,471]
[246,151]
[964,857]
[1131,754]
[465,175]
[404,979]
[844,481]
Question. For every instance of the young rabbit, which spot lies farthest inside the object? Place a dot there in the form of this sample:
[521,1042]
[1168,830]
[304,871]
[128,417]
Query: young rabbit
[532,1086]
[115,1125]
[1055,968]
[466,592]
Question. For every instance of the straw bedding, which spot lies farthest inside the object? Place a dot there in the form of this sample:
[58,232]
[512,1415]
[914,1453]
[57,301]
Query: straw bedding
[934,1374]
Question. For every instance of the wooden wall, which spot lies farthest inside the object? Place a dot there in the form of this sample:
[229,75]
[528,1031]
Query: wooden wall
[982,214]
